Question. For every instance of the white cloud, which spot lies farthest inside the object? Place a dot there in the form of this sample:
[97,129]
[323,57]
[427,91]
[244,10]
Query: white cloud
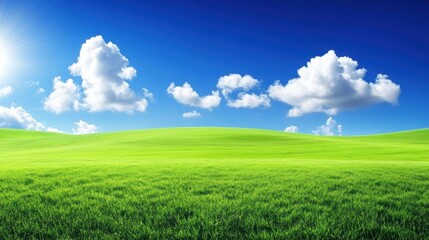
[384,89]
[105,72]
[49,129]
[147,94]
[83,127]
[234,82]
[17,117]
[331,84]
[330,128]
[292,129]
[32,84]
[40,90]
[187,96]
[193,114]
[340,129]
[127,73]
[245,100]
[5,91]
[65,97]
[231,82]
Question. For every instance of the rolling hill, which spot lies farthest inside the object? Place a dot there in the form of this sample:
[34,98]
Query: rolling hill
[205,183]
[208,143]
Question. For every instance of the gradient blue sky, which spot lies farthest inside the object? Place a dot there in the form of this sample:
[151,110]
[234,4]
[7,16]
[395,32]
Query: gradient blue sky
[199,41]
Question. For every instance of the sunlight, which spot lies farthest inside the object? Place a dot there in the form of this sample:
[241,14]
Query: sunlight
[5,59]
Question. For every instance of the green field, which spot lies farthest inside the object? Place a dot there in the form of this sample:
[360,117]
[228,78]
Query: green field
[213,183]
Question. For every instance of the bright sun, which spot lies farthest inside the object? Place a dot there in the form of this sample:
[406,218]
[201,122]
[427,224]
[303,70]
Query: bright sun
[10,45]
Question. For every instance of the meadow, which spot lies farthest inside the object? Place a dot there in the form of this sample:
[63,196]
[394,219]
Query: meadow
[213,183]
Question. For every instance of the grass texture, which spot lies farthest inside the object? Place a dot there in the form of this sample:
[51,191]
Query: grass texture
[213,183]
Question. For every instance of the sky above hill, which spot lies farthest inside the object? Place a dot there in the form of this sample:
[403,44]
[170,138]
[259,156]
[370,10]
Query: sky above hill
[327,68]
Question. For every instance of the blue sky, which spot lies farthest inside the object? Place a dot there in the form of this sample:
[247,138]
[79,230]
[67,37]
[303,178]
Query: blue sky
[199,42]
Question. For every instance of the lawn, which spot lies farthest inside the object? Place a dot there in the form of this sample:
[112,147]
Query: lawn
[213,183]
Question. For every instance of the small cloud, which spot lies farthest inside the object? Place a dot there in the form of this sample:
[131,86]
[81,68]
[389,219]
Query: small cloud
[49,129]
[64,97]
[234,82]
[331,84]
[193,114]
[83,127]
[340,129]
[147,94]
[187,96]
[17,117]
[5,91]
[32,83]
[292,129]
[245,100]
[331,128]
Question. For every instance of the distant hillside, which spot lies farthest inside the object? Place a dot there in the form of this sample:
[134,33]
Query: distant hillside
[171,144]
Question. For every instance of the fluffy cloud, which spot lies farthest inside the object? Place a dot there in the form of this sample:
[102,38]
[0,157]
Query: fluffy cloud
[187,96]
[17,117]
[193,114]
[331,84]
[40,90]
[65,97]
[246,100]
[83,127]
[231,82]
[104,72]
[4,91]
[292,129]
[330,128]
[234,82]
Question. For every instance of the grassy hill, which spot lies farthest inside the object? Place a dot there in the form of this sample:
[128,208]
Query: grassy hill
[207,143]
[205,183]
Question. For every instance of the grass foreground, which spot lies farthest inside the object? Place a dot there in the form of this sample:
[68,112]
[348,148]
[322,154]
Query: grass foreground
[213,183]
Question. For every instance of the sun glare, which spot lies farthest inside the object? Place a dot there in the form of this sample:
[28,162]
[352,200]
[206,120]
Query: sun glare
[5,60]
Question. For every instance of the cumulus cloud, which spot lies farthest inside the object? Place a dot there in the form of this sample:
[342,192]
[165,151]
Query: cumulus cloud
[187,96]
[5,91]
[104,72]
[193,114]
[231,82]
[235,82]
[83,127]
[331,84]
[245,100]
[292,129]
[330,128]
[17,117]
[64,97]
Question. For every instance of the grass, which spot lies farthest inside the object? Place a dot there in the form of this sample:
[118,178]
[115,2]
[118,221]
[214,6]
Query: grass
[213,183]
